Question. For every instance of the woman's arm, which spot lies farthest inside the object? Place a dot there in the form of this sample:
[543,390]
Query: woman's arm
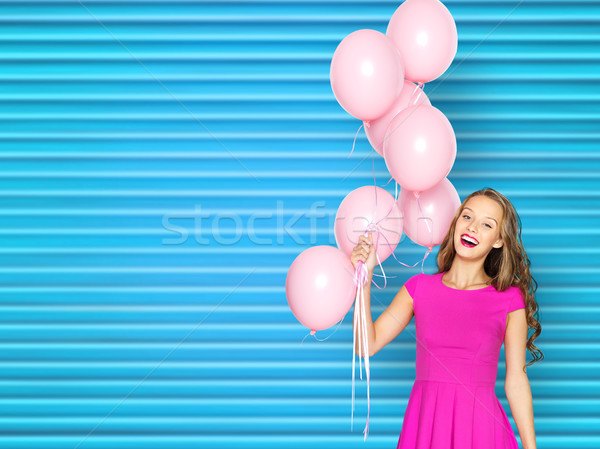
[516,386]
[364,252]
[393,319]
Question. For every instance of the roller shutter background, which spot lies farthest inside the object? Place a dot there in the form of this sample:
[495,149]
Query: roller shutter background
[128,323]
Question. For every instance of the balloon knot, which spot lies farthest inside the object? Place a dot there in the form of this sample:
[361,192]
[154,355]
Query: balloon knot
[367,124]
[312,332]
[371,227]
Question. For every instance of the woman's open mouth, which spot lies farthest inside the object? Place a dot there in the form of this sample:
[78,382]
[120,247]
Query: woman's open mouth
[468,241]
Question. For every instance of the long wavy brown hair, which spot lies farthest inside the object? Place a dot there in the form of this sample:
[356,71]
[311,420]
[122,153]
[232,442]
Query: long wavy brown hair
[507,265]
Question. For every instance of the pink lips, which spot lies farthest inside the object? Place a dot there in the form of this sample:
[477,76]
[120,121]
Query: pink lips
[468,245]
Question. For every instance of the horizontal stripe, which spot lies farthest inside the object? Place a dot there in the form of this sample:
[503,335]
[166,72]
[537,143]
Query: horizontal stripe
[287,155]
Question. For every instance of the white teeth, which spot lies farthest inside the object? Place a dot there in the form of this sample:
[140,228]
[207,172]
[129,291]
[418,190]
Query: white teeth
[468,239]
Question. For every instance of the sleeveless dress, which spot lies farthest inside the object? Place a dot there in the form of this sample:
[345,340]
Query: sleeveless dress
[452,403]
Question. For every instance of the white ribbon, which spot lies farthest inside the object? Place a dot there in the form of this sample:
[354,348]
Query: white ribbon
[361,277]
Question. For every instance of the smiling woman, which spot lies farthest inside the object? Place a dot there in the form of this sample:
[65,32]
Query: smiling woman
[480,297]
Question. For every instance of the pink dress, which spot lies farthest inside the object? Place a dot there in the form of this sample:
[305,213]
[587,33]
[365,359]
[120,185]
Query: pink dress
[453,404]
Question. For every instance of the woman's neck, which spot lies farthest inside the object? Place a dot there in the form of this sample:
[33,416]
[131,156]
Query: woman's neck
[464,276]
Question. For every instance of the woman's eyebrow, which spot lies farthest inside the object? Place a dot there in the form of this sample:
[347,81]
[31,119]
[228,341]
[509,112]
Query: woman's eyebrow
[464,208]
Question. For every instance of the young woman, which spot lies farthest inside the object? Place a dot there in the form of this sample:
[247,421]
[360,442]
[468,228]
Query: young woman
[481,296]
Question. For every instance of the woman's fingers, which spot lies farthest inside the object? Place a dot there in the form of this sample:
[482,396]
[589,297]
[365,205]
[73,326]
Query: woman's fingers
[362,245]
[360,255]
[358,250]
[362,250]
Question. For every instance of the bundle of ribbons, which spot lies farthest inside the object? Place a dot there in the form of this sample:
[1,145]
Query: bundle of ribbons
[361,277]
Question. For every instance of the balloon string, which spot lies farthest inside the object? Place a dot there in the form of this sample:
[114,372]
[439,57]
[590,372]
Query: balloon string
[422,261]
[384,277]
[360,324]
[353,357]
[366,356]
[374,226]
[423,217]
[430,247]
[336,329]
[379,261]
[381,275]
[354,143]
[310,332]
[374,211]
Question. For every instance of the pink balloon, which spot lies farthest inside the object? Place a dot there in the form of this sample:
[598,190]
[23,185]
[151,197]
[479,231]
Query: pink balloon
[438,206]
[366,74]
[419,147]
[425,33]
[410,96]
[320,287]
[359,211]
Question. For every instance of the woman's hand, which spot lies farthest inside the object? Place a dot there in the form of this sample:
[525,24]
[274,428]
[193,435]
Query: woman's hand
[364,251]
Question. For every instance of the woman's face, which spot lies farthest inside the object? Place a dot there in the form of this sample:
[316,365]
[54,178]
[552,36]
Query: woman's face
[479,223]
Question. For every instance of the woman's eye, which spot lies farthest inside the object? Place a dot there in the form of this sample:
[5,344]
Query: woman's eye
[466,216]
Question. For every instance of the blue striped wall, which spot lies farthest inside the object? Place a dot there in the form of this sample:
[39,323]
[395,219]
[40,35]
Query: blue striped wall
[162,163]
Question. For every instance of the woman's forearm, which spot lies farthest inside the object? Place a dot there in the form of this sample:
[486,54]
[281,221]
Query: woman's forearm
[369,320]
[521,406]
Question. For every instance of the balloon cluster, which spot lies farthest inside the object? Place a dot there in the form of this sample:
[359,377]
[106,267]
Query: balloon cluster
[378,78]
